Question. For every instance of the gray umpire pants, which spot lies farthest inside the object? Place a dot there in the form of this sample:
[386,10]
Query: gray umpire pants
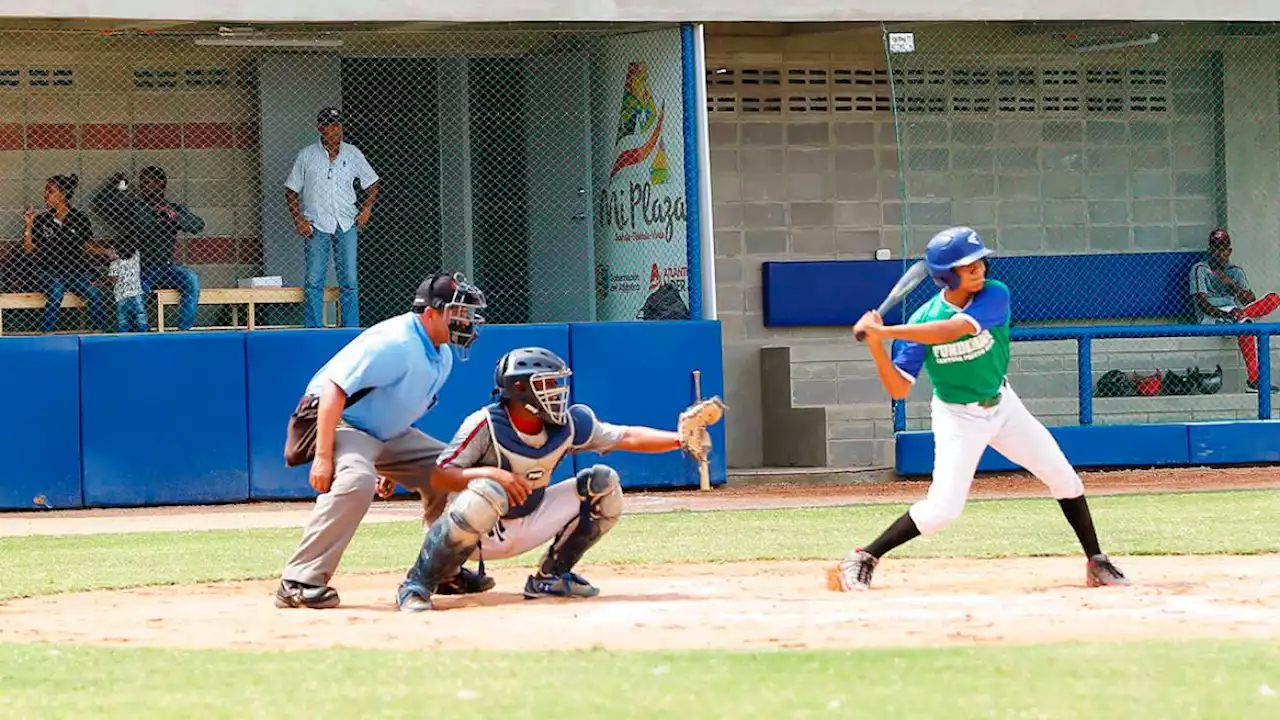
[358,460]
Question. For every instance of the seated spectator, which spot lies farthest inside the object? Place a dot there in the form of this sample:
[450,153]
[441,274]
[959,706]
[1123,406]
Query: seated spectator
[60,240]
[113,202]
[1221,294]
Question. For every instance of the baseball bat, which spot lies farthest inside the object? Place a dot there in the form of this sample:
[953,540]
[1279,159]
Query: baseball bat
[908,282]
[704,472]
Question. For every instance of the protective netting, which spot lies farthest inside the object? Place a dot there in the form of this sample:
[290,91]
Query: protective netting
[545,164]
[1097,159]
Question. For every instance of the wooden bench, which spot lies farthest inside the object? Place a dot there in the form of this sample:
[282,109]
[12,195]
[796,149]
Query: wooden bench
[249,297]
[33,301]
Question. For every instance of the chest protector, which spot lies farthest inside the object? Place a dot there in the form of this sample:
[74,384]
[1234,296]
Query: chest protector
[535,463]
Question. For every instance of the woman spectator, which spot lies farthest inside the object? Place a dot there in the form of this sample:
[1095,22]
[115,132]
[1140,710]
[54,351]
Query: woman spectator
[60,240]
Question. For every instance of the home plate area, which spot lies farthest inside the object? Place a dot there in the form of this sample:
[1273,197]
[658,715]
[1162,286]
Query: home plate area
[915,602]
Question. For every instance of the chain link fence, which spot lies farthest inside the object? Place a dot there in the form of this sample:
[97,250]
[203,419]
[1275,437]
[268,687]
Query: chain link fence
[141,170]
[1097,159]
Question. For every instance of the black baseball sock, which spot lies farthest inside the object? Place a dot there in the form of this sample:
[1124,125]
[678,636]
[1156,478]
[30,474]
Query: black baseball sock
[1077,512]
[902,530]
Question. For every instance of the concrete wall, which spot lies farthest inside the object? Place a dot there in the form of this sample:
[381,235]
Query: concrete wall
[805,166]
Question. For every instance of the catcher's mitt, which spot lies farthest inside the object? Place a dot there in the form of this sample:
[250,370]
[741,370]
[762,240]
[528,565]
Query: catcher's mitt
[692,426]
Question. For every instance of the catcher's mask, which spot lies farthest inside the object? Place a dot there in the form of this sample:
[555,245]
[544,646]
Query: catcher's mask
[461,303]
[536,378]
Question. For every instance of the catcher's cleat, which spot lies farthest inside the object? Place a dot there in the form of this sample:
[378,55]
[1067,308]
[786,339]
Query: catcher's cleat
[853,573]
[465,583]
[293,594]
[567,585]
[1101,571]
[413,599]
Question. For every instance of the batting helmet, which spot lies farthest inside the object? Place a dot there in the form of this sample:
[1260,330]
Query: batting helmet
[1209,383]
[537,379]
[950,249]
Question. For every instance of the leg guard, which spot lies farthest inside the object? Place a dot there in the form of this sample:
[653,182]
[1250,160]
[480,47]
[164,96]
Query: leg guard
[456,534]
[600,493]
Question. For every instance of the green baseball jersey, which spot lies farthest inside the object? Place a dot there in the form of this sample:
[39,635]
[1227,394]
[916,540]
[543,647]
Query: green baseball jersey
[973,367]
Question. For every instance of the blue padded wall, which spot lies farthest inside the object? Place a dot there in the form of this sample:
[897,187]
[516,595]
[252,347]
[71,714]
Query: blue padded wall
[40,432]
[1084,446]
[641,373]
[1240,441]
[280,363]
[163,419]
[1045,287]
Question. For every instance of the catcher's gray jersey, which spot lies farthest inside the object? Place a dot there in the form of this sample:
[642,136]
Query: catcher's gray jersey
[488,439]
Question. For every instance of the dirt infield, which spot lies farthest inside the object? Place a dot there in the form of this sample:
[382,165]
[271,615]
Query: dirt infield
[731,606]
[735,497]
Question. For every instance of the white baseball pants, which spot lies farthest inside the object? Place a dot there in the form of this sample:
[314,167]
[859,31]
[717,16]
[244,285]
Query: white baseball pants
[961,433]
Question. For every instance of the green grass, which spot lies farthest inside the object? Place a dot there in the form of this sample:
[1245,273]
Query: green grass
[1203,679]
[1196,523]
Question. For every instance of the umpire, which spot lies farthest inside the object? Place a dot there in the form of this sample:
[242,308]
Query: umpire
[355,422]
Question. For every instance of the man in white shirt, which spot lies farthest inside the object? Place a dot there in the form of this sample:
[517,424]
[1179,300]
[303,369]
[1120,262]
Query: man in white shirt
[322,201]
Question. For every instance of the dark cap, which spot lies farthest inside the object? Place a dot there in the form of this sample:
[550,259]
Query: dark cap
[434,292]
[441,289]
[328,116]
[1219,237]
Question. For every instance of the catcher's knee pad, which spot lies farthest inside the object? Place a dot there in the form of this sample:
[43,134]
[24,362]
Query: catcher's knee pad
[452,538]
[600,495]
[475,510]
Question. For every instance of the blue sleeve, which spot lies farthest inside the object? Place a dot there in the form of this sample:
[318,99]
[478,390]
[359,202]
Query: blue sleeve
[584,424]
[363,365]
[989,308]
[908,357]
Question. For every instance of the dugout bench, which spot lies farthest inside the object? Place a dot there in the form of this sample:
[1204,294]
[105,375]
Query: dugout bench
[249,298]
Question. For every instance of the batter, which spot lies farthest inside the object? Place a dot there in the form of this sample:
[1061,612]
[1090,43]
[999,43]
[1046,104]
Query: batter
[961,336]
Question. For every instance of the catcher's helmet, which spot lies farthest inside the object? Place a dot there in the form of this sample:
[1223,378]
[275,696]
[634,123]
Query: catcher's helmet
[537,379]
[950,249]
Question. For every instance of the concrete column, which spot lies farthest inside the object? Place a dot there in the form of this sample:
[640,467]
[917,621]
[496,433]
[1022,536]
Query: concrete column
[1251,129]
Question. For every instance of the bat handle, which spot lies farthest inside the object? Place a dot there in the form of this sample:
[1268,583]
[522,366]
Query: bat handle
[704,472]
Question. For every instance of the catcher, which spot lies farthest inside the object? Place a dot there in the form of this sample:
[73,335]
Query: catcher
[498,471]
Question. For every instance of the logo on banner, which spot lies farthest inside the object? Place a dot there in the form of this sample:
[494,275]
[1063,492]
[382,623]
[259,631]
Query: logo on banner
[640,202]
[677,276]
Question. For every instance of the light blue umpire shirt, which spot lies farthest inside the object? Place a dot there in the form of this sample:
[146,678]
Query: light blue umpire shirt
[325,188]
[405,371]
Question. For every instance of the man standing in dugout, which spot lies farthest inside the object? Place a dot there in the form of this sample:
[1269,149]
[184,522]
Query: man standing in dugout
[355,422]
[321,197]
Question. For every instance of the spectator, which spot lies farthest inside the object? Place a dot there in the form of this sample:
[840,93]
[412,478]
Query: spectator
[1221,294]
[60,239]
[125,272]
[156,223]
[322,199]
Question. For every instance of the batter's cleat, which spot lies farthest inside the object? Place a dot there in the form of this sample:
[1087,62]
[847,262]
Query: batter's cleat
[1101,571]
[567,585]
[853,573]
[413,599]
[465,583]
[293,594]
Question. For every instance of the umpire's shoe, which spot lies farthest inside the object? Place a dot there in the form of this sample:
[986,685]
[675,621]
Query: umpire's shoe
[1101,571]
[465,583]
[413,599]
[567,585]
[293,594]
